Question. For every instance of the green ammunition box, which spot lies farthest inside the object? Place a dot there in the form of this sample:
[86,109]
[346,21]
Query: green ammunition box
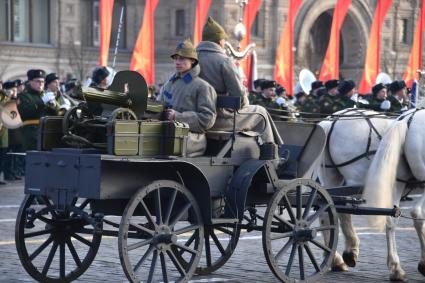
[123,137]
[50,133]
[175,138]
[150,140]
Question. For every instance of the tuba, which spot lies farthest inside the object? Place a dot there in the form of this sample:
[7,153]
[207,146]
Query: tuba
[383,78]
[9,116]
[306,78]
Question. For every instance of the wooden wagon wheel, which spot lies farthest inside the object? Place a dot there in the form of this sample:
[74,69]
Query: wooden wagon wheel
[155,228]
[123,114]
[291,243]
[72,126]
[56,245]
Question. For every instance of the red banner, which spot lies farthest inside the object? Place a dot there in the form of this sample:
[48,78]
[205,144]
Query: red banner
[250,12]
[330,66]
[105,14]
[283,73]
[415,58]
[201,14]
[372,62]
[142,60]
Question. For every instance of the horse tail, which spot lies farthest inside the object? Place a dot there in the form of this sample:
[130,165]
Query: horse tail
[328,177]
[381,176]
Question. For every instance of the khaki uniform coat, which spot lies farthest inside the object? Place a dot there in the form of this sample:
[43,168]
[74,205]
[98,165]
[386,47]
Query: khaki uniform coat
[194,101]
[220,71]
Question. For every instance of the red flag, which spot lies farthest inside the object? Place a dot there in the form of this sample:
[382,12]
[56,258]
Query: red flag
[415,58]
[284,58]
[372,63]
[142,60]
[330,66]
[250,12]
[105,13]
[201,13]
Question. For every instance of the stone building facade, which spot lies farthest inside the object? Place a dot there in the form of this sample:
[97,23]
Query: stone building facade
[63,35]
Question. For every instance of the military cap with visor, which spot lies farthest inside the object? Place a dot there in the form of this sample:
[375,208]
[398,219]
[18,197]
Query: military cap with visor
[213,31]
[19,82]
[346,86]
[331,84]
[51,77]
[377,88]
[187,50]
[316,85]
[35,74]
[9,84]
[268,84]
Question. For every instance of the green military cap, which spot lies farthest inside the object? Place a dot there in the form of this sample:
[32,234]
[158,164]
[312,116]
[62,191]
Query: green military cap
[186,49]
[213,31]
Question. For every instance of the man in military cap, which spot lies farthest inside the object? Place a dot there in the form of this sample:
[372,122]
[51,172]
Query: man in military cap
[328,99]
[267,96]
[398,96]
[189,98]
[332,87]
[220,71]
[59,104]
[256,91]
[32,105]
[378,100]
[345,99]
[20,85]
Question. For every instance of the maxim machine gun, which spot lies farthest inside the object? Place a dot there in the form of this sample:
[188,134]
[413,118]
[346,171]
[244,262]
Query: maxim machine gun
[125,99]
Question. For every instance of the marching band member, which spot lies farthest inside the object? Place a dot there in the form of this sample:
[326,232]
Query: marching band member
[60,104]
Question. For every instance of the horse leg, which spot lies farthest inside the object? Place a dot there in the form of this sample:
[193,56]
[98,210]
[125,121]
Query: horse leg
[418,221]
[337,262]
[352,242]
[393,261]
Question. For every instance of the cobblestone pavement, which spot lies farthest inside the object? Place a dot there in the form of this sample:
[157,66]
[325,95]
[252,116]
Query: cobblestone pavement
[246,265]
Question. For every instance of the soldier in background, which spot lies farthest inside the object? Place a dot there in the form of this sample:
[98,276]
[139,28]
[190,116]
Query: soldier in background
[20,85]
[99,79]
[328,99]
[266,97]
[32,105]
[4,140]
[257,90]
[378,100]
[398,96]
[59,104]
[345,99]
[311,108]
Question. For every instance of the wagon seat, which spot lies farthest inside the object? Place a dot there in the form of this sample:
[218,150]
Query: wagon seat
[245,144]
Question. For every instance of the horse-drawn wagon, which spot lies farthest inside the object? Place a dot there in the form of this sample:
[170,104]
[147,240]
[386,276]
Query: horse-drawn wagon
[174,216]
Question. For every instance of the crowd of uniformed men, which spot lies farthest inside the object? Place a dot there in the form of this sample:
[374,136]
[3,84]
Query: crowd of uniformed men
[190,96]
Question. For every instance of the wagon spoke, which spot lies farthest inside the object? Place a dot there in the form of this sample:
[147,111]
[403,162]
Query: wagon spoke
[81,239]
[164,268]
[207,248]
[284,249]
[140,227]
[170,207]
[311,256]
[284,221]
[325,228]
[73,252]
[153,265]
[299,202]
[41,248]
[309,203]
[226,231]
[139,244]
[176,263]
[185,248]
[38,233]
[49,259]
[62,260]
[180,214]
[319,212]
[144,257]
[186,229]
[289,208]
[217,242]
[320,245]
[148,214]
[84,204]
[291,259]
[158,208]
[281,236]
[301,261]
[189,241]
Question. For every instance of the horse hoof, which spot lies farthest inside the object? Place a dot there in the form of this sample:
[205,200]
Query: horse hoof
[350,258]
[398,276]
[340,267]
[421,268]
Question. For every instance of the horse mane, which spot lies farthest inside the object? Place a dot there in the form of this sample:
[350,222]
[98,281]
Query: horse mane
[381,176]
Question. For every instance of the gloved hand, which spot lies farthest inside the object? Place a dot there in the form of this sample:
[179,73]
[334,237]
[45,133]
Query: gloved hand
[385,105]
[354,97]
[48,97]
[280,101]
[65,106]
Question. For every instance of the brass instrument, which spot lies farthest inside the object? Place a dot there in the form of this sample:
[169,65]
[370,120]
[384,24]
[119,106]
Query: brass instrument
[9,116]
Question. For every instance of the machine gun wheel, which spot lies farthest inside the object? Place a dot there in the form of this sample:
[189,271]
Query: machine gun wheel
[45,236]
[292,249]
[154,223]
[74,117]
[123,114]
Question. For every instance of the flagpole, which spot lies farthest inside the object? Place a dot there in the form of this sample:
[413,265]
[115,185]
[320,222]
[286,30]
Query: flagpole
[117,43]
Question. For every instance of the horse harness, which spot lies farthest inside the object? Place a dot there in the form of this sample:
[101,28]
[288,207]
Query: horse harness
[367,152]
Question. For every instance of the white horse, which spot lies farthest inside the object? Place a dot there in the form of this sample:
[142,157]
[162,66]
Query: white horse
[400,157]
[353,137]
